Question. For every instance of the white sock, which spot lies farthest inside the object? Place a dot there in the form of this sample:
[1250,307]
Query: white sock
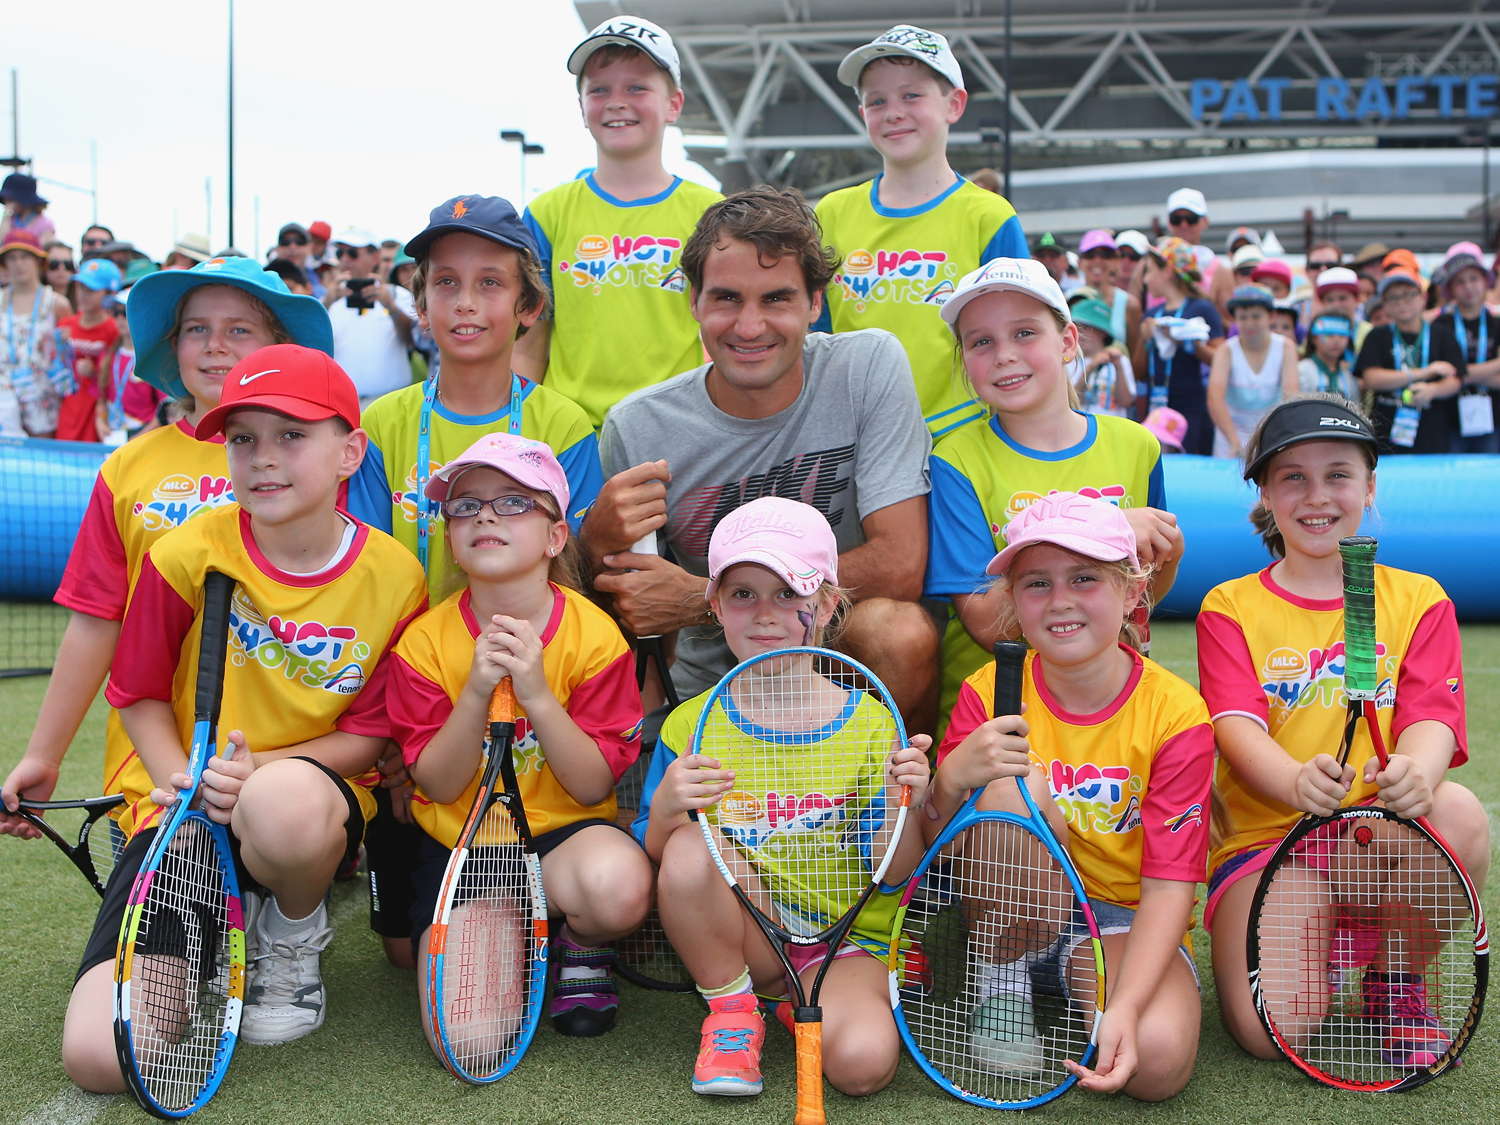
[278,927]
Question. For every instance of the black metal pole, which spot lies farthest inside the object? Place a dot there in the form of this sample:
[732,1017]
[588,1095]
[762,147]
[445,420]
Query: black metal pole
[1007,99]
[231,122]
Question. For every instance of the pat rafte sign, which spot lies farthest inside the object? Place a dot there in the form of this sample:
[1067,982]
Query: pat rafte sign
[1415,97]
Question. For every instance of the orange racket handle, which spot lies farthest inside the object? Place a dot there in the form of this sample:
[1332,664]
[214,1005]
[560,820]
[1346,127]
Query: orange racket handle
[809,1038]
[503,702]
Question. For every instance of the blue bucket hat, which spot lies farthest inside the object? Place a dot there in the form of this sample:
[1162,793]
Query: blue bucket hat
[154,301]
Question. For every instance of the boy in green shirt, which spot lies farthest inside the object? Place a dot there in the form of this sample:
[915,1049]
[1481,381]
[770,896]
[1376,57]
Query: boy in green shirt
[910,234]
[610,241]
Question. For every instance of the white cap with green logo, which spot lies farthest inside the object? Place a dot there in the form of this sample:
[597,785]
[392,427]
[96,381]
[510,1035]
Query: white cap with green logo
[914,42]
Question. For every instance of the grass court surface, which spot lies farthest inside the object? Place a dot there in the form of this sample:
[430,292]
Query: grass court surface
[369,1062]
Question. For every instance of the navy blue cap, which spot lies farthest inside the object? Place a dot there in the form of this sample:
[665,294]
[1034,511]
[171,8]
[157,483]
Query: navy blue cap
[488,216]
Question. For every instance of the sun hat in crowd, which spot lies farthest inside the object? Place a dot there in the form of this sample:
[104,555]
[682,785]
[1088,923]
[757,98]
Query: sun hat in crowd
[1081,293]
[20,189]
[1247,256]
[1273,267]
[1370,252]
[1180,257]
[1397,278]
[915,43]
[1462,256]
[402,258]
[1308,419]
[1168,426]
[1133,239]
[1338,277]
[99,274]
[1187,199]
[790,539]
[488,216]
[1241,234]
[1005,275]
[525,460]
[1096,240]
[138,269]
[153,312]
[1251,296]
[22,240]
[629,31]
[302,383]
[1096,314]
[1331,324]
[356,237]
[194,246]
[1093,528]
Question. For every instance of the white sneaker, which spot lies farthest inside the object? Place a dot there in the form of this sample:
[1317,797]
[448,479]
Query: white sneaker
[284,999]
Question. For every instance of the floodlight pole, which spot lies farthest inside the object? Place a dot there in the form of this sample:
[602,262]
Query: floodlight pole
[1007,99]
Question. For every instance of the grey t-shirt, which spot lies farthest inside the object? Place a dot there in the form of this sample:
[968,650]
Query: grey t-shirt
[852,443]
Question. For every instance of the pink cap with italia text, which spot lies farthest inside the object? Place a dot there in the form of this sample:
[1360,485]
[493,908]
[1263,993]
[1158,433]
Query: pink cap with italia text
[790,539]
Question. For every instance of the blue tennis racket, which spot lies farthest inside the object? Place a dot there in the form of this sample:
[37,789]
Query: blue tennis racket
[487,949]
[180,969]
[997,967]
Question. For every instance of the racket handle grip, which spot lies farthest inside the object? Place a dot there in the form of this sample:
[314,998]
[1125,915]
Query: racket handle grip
[1010,670]
[645,545]
[503,702]
[809,1038]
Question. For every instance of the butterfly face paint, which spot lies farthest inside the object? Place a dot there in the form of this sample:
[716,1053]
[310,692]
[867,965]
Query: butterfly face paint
[807,618]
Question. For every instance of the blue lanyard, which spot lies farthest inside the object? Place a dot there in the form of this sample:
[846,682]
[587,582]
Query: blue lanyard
[1463,336]
[1398,345]
[424,452]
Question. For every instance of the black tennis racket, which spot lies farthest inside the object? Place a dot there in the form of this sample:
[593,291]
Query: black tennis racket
[999,969]
[93,853]
[811,825]
[653,649]
[180,970]
[1367,946]
[487,949]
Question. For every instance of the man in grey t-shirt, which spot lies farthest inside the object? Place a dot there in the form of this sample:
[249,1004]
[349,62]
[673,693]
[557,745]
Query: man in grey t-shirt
[832,421]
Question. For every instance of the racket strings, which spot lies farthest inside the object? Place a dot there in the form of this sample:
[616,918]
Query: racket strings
[489,972]
[809,818]
[181,970]
[997,968]
[1366,938]
[646,956]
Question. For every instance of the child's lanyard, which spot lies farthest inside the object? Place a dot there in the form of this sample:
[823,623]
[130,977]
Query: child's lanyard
[1463,337]
[120,376]
[424,450]
[1158,392]
[1399,346]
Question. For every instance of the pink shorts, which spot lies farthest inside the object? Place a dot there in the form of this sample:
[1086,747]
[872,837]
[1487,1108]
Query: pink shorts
[804,957]
[1314,849]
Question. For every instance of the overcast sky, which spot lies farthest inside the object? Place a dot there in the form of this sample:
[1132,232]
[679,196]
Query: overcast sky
[364,114]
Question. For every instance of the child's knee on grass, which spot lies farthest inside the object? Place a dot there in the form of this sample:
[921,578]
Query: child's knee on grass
[861,1046]
[88,1044]
[1461,820]
[1167,1037]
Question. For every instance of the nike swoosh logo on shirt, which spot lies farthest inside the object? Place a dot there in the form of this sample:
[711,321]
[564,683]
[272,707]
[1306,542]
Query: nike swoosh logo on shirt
[246,379]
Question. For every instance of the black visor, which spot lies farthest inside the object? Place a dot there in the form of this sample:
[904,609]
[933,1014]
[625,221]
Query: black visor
[1308,420]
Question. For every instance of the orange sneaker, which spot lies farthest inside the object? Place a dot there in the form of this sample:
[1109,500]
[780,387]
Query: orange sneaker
[729,1054]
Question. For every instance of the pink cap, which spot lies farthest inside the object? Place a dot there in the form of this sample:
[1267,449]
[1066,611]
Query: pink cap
[1089,527]
[1272,267]
[525,461]
[1470,248]
[790,539]
[1096,239]
[1168,426]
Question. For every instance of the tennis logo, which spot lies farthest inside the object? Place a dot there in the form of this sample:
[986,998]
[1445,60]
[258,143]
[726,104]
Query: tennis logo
[1096,798]
[178,497]
[912,276]
[625,260]
[328,657]
[1292,678]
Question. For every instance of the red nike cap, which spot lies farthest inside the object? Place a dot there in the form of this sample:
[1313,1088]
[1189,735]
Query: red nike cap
[302,383]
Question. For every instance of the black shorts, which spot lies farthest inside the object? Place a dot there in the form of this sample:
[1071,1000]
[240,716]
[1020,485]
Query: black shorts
[432,862]
[104,941]
[391,853]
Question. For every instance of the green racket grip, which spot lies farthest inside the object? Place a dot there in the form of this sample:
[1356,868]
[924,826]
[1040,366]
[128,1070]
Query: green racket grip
[1360,673]
[1010,670]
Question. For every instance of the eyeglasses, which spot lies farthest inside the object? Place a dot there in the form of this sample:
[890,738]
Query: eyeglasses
[61,264]
[96,242]
[1244,271]
[467,507]
[292,240]
[348,252]
[1400,294]
[1313,267]
[1181,218]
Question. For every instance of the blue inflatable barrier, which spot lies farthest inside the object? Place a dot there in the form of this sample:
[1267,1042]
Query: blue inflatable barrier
[1437,515]
[44,490]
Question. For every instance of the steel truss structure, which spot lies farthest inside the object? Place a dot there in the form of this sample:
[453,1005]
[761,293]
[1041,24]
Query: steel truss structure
[1093,81]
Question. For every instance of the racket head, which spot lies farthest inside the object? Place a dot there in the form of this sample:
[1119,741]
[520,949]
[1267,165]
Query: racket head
[646,958]
[1006,891]
[180,974]
[487,951]
[92,846]
[810,823]
[1345,904]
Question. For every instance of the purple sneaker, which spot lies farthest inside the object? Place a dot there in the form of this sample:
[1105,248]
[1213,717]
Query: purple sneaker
[1414,1035]
[584,997]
